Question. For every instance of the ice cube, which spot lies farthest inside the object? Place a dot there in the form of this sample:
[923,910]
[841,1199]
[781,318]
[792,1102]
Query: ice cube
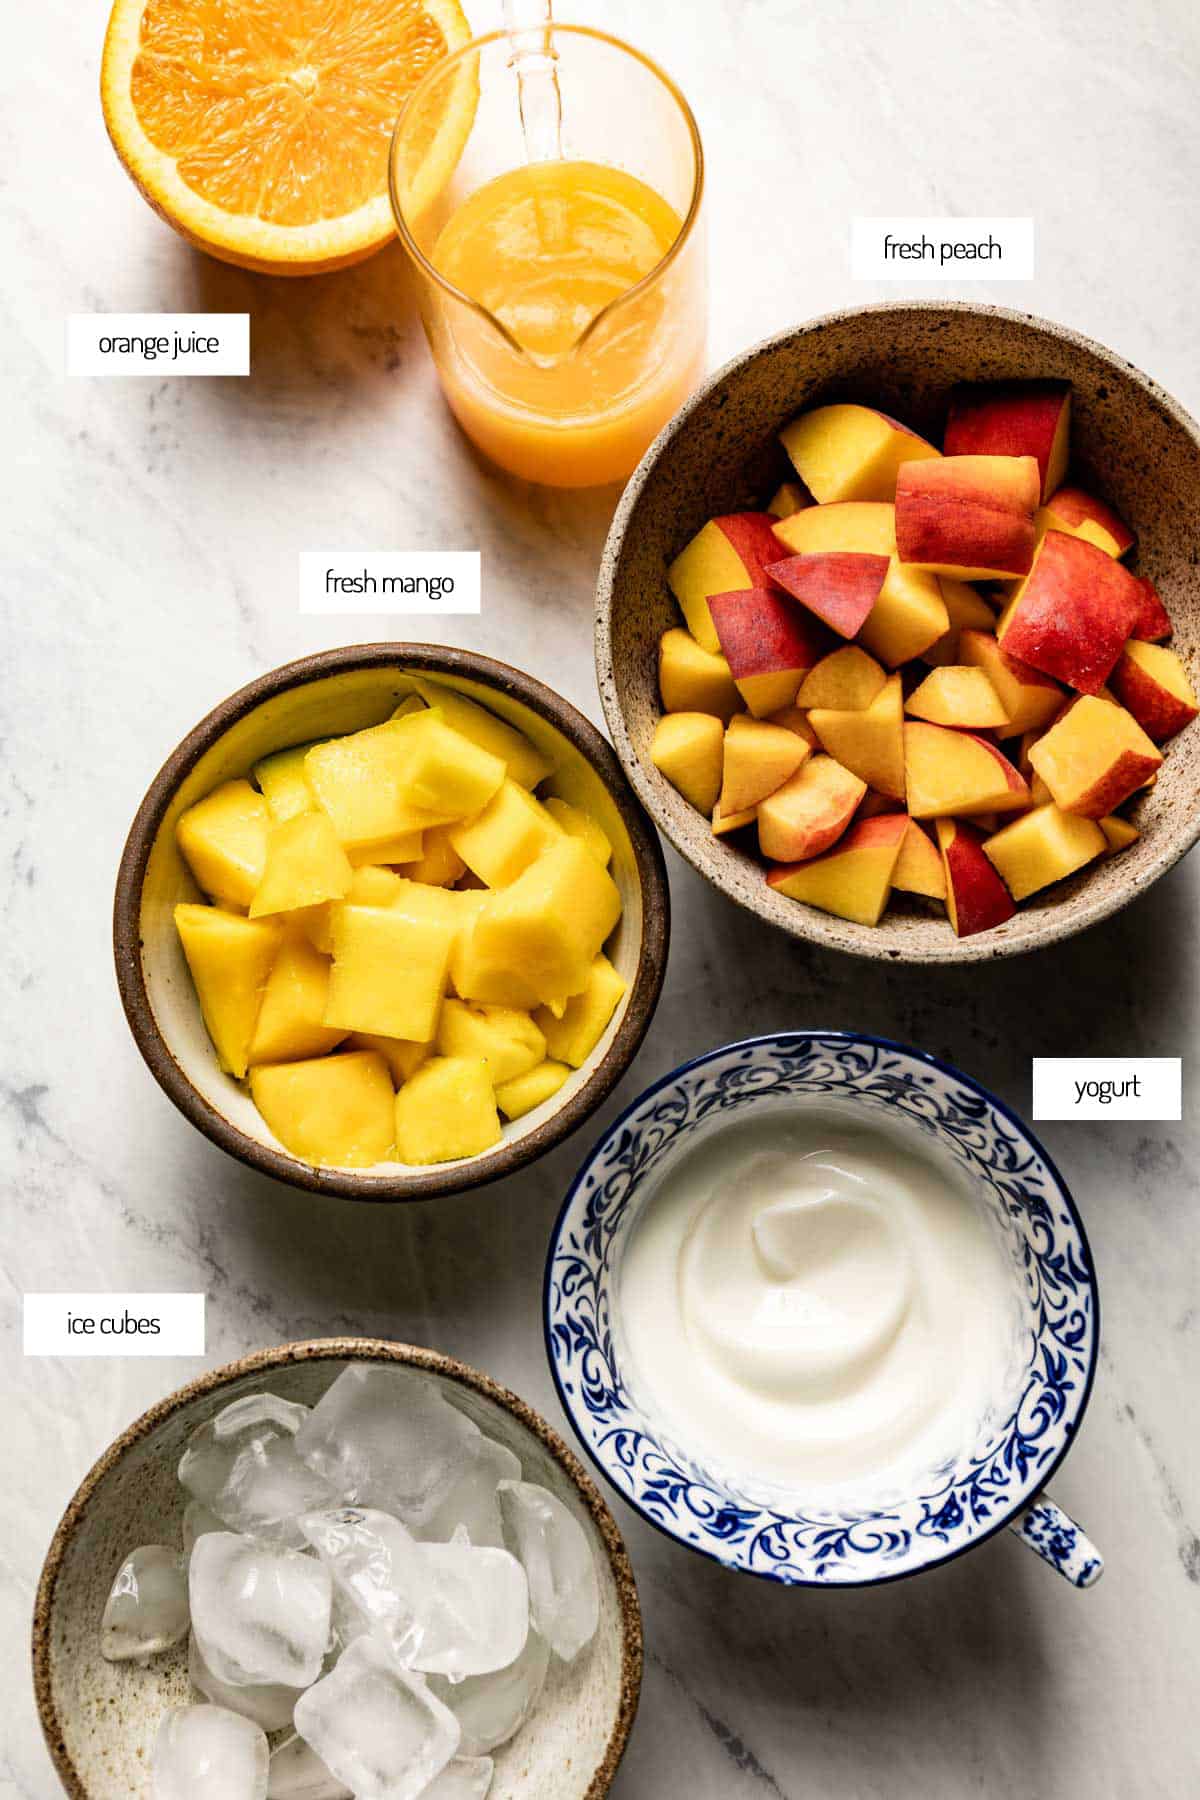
[471,1499]
[478,1617]
[490,1709]
[206,1753]
[466,1778]
[269,1706]
[297,1773]
[385,1438]
[376,1726]
[197,1519]
[243,1467]
[378,1574]
[564,1595]
[147,1606]
[253,1410]
[261,1616]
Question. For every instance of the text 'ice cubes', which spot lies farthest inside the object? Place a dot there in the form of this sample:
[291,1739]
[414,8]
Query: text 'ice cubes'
[377,1573]
[243,1466]
[259,1615]
[269,1706]
[564,1594]
[147,1606]
[206,1753]
[377,1727]
[490,1709]
[297,1773]
[385,1438]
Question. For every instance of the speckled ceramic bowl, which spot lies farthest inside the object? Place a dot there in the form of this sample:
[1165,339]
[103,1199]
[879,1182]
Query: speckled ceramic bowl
[339,691]
[1131,441]
[100,1718]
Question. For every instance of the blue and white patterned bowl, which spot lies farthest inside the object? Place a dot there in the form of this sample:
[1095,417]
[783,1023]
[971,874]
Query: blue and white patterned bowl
[996,1481]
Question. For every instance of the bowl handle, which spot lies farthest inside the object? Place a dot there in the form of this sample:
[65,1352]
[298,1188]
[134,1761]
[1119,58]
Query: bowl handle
[1056,1537]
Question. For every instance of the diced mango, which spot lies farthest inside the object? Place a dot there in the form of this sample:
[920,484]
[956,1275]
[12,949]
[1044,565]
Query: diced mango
[230,959]
[524,761]
[389,971]
[446,1111]
[577,823]
[499,843]
[439,864]
[305,866]
[405,847]
[402,1057]
[291,1020]
[357,781]
[372,886]
[316,922]
[223,840]
[515,1098]
[535,941]
[443,772]
[335,1111]
[281,778]
[572,1038]
[508,1040]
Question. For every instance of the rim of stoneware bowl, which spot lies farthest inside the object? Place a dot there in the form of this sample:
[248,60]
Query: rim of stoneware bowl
[332,1350]
[569,1402]
[802,921]
[424,1183]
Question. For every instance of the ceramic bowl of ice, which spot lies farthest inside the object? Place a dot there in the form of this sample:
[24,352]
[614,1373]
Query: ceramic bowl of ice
[101,1718]
[1015,1436]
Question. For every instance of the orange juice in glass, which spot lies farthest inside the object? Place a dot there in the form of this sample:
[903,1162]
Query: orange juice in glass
[561,265]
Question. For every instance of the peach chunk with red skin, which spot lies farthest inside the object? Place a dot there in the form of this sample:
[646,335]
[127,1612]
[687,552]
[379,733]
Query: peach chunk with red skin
[839,586]
[854,879]
[968,516]
[919,866]
[1072,615]
[768,643]
[951,772]
[1094,757]
[809,812]
[728,553]
[849,452]
[1154,621]
[976,898]
[1081,514]
[1030,698]
[1151,683]
[1013,418]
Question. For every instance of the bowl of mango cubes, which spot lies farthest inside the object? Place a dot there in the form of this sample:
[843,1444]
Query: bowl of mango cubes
[390,922]
[898,632]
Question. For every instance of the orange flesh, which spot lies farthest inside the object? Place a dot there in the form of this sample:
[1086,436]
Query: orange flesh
[280,109]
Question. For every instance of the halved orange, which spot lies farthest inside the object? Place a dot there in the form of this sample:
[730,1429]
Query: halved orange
[260,129]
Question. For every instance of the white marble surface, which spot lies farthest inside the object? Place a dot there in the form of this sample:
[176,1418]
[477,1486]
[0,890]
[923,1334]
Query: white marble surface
[151,567]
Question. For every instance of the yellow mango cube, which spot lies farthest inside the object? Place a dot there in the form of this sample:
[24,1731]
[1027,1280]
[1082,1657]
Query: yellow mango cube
[508,1040]
[446,1111]
[291,1020]
[356,779]
[535,941]
[230,960]
[305,866]
[281,779]
[499,843]
[524,762]
[471,902]
[521,1095]
[577,823]
[223,840]
[405,847]
[334,1111]
[371,886]
[443,771]
[402,1057]
[389,971]
[572,1038]
[439,864]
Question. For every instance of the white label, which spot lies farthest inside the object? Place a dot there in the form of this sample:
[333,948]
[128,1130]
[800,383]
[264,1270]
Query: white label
[443,582]
[114,1324]
[1107,1087]
[941,250]
[158,344]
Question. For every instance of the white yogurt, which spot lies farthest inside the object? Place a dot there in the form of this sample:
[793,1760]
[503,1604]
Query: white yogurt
[806,1298]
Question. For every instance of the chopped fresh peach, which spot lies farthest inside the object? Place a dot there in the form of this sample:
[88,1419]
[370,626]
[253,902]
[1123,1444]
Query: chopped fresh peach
[868,526]
[1154,621]
[693,679]
[846,680]
[956,772]
[1013,418]
[688,749]
[870,742]
[1071,616]
[968,516]
[1081,515]
[793,719]
[854,879]
[839,586]
[809,812]
[919,866]
[726,554]
[1119,833]
[976,898]
[1094,757]
[909,616]
[967,610]
[873,803]
[1046,845]
[724,823]
[789,497]
[769,644]
[759,757]
[851,452]
[1152,684]
[1029,698]
[957,695]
